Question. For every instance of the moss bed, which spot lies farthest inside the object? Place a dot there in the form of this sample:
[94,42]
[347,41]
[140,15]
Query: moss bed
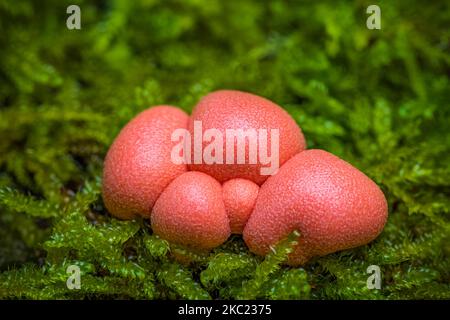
[380,99]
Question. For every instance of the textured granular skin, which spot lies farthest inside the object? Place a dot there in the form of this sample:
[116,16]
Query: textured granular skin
[239,196]
[229,109]
[332,204]
[138,166]
[191,212]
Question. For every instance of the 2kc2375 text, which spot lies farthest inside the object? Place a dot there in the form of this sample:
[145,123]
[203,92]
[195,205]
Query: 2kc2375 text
[226,309]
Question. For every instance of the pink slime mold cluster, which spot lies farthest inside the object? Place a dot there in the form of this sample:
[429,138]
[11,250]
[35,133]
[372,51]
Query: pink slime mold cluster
[332,204]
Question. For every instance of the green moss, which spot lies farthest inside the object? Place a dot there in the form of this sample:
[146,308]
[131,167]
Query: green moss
[377,98]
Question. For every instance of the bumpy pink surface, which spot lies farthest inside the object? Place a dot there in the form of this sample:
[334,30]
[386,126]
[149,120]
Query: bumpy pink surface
[138,166]
[239,196]
[229,109]
[191,212]
[331,203]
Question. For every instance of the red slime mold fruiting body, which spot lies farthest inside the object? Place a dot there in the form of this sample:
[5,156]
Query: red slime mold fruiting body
[239,196]
[191,212]
[138,165]
[333,205]
[231,110]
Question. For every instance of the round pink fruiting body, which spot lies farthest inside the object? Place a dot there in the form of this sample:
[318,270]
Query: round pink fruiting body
[332,204]
[239,196]
[138,166]
[231,110]
[191,212]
